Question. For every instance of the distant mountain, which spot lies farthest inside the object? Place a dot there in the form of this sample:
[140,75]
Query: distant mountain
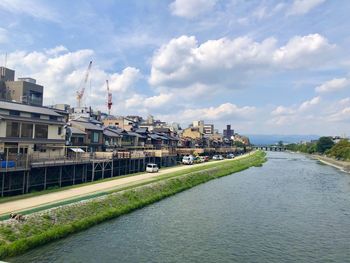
[262,139]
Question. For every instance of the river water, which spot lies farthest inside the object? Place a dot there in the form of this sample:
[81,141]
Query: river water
[292,209]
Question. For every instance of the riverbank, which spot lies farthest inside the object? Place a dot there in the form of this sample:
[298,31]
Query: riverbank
[45,199]
[45,226]
[341,165]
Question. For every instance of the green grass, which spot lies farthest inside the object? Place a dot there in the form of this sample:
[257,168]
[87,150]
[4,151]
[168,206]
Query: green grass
[41,228]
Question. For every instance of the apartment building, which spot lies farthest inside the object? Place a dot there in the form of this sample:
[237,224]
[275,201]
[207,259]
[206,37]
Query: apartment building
[29,129]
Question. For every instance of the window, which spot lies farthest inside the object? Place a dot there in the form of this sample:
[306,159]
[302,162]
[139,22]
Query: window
[36,115]
[41,131]
[12,129]
[59,131]
[14,113]
[27,130]
[95,137]
[53,118]
[35,97]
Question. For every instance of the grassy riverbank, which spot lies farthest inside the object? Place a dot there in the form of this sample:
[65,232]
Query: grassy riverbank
[45,226]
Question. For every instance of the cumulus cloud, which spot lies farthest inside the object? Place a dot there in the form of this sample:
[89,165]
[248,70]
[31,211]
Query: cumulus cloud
[333,85]
[283,115]
[61,73]
[147,104]
[301,7]
[183,61]
[220,112]
[191,8]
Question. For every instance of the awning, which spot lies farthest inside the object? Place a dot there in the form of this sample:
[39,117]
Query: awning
[77,150]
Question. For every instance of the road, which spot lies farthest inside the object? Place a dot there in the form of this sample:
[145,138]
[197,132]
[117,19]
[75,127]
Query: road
[85,190]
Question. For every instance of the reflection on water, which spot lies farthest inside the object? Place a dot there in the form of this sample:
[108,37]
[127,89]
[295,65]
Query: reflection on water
[290,210]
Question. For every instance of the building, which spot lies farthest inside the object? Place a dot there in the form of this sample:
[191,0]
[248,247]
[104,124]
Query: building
[192,132]
[93,134]
[30,129]
[228,132]
[208,129]
[199,125]
[120,122]
[241,139]
[24,90]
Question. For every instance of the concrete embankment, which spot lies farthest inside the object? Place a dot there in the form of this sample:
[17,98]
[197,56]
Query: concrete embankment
[341,165]
[42,227]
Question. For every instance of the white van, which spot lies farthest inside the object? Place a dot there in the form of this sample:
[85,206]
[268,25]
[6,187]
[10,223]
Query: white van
[152,168]
[188,159]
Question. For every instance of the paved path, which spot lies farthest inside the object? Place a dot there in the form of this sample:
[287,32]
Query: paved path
[84,190]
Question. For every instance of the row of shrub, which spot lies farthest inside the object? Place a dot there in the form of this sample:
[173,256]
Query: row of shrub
[41,228]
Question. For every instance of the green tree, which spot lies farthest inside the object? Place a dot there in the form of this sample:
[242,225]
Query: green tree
[341,150]
[323,144]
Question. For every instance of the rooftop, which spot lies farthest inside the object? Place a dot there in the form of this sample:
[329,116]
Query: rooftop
[27,108]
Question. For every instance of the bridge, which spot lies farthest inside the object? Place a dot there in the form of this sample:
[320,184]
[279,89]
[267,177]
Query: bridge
[271,148]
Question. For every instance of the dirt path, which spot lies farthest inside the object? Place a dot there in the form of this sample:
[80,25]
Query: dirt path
[84,190]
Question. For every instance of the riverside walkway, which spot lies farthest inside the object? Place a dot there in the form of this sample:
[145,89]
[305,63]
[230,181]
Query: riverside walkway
[86,190]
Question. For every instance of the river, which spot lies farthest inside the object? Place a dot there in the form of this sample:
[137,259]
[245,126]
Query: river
[293,209]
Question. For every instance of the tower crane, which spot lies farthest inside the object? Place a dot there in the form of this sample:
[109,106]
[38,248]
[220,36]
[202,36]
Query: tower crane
[109,99]
[81,91]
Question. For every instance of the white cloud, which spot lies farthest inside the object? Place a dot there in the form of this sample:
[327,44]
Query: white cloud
[125,80]
[302,51]
[183,62]
[158,101]
[56,50]
[342,115]
[223,111]
[309,103]
[146,104]
[30,8]
[281,110]
[333,85]
[345,101]
[61,73]
[191,8]
[301,7]
[283,115]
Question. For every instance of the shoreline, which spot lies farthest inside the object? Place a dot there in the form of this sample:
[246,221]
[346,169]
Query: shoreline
[43,227]
[340,165]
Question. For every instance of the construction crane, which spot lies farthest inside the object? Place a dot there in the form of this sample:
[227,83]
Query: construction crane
[81,91]
[109,99]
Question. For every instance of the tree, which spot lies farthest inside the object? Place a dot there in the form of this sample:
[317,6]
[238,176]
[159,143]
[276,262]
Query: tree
[280,143]
[323,144]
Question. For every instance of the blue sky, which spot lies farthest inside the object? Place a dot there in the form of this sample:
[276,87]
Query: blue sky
[264,66]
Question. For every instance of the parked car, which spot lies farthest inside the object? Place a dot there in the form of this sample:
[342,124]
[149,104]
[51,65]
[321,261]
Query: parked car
[230,156]
[152,168]
[218,157]
[202,159]
[188,159]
